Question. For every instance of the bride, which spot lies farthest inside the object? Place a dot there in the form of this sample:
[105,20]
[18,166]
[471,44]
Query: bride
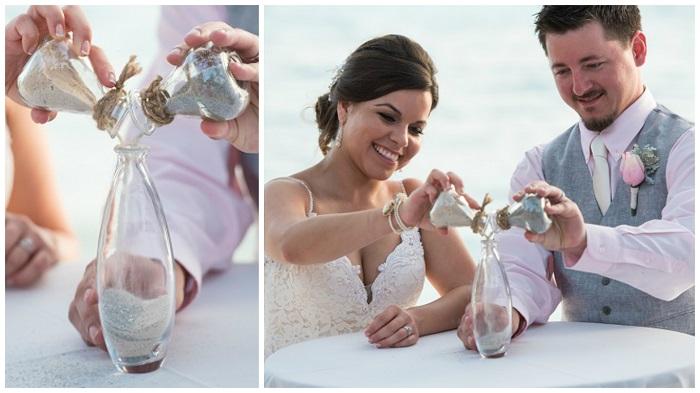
[345,250]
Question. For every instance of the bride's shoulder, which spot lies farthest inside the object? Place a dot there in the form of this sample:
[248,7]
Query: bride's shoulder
[409,184]
[287,187]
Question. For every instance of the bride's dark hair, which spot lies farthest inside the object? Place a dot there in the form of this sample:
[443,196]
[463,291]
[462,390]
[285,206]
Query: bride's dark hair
[378,67]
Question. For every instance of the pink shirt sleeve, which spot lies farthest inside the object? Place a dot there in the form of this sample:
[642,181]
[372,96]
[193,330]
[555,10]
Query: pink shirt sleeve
[534,295]
[657,257]
[206,218]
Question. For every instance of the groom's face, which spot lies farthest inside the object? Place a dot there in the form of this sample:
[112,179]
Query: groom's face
[597,76]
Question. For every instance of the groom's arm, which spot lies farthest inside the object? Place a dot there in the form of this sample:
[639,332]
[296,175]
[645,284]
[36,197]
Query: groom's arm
[657,257]
[534,295]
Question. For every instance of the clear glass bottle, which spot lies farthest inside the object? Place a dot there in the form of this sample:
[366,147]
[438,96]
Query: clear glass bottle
[491,304]
[135,268]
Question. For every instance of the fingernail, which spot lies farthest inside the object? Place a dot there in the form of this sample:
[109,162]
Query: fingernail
[112,78]
[175,51]
[87,294]
[378,346]
[85,48]
[93,332]
[195,31]
[32,49]
[59,30]
[218,133]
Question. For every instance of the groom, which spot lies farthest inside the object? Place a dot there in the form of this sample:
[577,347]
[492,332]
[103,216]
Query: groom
[610,265]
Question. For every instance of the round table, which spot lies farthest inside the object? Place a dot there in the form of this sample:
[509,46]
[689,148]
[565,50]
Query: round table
[557,354]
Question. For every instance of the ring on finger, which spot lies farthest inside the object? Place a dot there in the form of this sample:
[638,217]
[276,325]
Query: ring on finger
[408,329]
[252,59]
[27,244]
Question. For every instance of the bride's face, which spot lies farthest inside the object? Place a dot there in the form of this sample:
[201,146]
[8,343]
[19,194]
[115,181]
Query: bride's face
[383,135]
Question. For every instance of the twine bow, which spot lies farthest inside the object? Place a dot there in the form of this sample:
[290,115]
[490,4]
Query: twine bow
[102,112]
[479,221]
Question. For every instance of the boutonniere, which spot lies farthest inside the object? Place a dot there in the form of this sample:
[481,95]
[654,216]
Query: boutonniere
[638,166]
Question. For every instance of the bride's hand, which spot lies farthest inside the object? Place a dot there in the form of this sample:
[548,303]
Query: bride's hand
[393,327]
[416,210]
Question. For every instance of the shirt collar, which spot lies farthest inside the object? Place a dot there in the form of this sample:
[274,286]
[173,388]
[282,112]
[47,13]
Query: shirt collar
[618,136]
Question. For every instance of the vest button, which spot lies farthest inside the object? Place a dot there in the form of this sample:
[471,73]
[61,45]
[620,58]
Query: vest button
[606,310]
[605,281]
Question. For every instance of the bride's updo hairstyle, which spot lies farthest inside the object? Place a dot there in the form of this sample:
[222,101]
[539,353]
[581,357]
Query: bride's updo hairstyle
[378,67]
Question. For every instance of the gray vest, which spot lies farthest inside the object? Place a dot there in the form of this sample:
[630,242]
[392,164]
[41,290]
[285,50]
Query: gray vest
[590,297]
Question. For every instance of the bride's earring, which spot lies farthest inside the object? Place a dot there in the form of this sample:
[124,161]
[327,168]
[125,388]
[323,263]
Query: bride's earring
[339,137]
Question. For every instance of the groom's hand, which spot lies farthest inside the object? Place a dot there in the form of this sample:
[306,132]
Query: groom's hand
[568,232]
[465,330]
[241,132]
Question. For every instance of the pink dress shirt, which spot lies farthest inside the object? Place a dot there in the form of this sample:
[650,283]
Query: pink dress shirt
[657,257]
[207,215]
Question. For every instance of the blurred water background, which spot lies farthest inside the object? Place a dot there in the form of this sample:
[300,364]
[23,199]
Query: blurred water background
[497,95]
[83,156]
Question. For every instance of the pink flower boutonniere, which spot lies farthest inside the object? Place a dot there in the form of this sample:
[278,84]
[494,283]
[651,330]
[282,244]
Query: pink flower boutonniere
[638,166]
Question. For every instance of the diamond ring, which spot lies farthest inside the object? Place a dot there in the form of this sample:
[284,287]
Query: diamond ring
[408,329]
[27,244]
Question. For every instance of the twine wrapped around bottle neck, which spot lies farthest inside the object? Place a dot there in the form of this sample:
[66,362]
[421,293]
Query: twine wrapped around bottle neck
[479,221]
[102,113]
[502,218]
[153,100]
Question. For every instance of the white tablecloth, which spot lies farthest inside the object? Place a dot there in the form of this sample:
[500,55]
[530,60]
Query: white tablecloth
[214,344]
[558,354]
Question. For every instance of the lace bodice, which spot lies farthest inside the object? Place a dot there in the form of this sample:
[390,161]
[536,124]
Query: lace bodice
[309,301]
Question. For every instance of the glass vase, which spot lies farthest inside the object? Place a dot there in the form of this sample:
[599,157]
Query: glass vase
[135,268]
[491,304]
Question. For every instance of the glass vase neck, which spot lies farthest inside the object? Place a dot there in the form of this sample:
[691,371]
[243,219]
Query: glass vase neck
[132,152]
[130,109]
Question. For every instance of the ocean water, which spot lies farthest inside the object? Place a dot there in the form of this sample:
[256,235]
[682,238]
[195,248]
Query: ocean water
[82,156]
[497,95]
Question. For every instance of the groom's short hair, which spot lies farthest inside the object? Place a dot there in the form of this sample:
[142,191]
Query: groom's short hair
[619,22]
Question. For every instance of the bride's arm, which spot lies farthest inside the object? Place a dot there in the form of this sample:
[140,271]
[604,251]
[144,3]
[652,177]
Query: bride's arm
[291,236]
[450,269]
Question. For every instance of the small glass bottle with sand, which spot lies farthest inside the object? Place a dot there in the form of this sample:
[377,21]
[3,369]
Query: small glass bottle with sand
[56,79]
[201,86]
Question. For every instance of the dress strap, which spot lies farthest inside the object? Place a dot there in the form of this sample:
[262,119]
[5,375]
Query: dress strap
[403,189]
[308,191]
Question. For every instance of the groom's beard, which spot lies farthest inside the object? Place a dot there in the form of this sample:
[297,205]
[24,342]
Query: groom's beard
[599,124]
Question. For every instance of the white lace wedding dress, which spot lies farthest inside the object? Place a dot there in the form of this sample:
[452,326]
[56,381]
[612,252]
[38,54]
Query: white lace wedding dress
[309,301]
